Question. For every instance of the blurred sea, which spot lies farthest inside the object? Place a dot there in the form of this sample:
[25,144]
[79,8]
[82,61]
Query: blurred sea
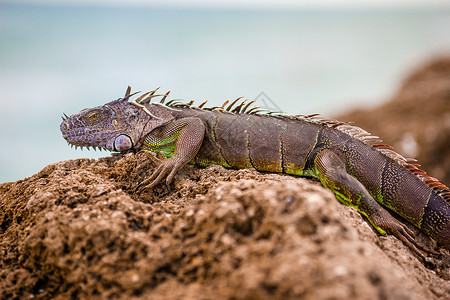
[56,59]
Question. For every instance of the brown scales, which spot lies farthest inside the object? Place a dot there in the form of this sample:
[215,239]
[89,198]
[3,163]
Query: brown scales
[356,132]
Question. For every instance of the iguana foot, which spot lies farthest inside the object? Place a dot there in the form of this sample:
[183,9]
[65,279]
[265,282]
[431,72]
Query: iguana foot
[156,158]
[387,224]
[332,172]
[166,168]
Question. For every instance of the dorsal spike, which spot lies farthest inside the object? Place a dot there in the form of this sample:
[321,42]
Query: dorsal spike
[201,105]
[149,98]
[248,104]
[135,93]
[175,102]
[213,108]
[127,93]
[164,98]
[411,160]
[154,91]
[141,97]
[311,116]
[381,146]
[257,111]
[238,108]
[225,103]
[232,104]
[171,102]
[275,113]
[140,105]
[252,109]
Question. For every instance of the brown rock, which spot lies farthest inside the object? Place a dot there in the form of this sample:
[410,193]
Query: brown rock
[75,230]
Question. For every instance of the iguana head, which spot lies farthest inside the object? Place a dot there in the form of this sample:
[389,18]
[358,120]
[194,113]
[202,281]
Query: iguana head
[116,126]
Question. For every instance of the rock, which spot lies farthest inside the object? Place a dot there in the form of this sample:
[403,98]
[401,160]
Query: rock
[76,229]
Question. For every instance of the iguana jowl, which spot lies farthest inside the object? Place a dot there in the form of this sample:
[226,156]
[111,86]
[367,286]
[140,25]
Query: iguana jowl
[357,167]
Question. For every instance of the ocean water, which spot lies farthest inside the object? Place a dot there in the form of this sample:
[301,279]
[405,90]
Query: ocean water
[56,59]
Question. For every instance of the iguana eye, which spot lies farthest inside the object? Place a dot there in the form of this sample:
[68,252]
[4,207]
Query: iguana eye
[93,116]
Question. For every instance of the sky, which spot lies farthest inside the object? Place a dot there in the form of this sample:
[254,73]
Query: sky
[304,55]
[254,4]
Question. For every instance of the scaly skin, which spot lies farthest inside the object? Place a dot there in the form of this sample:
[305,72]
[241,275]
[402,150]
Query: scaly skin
[362,172]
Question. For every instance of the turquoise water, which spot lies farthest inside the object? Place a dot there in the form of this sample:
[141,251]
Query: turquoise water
[56,59]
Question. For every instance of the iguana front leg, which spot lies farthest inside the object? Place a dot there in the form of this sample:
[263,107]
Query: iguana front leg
[331,170]
[180,140]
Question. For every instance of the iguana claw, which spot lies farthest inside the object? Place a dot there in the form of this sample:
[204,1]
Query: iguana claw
[392,226]
[407,237]
[166,168]
[156,158]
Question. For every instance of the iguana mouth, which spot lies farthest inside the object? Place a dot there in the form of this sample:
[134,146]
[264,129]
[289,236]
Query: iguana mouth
[88,147]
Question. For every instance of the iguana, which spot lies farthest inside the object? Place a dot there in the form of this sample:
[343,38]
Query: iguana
[362,171]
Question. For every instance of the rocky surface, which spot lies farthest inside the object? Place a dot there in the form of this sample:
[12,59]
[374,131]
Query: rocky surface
[76,230]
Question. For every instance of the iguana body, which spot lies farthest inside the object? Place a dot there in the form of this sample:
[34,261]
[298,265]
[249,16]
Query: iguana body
[362,172]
